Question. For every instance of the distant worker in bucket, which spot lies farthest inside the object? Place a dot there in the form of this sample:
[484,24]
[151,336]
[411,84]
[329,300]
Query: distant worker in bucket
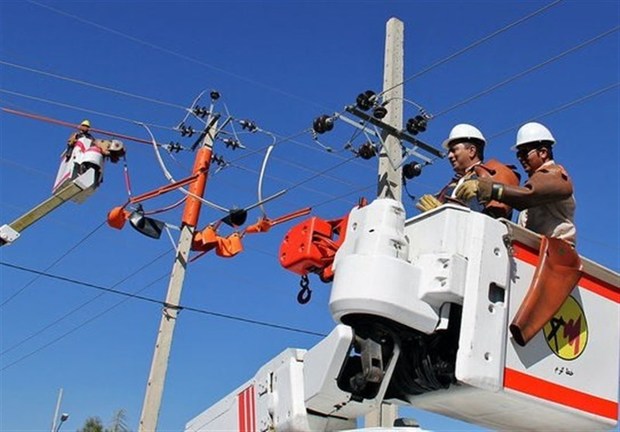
[82,132]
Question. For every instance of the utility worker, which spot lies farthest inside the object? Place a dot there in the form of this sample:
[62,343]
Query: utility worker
[465,146]
[83,131]
[547,207]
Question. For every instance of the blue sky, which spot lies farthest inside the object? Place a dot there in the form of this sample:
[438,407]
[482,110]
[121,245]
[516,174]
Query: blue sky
[280,64]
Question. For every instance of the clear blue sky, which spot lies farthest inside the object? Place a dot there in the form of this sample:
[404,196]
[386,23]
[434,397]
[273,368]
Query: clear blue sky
[281,64]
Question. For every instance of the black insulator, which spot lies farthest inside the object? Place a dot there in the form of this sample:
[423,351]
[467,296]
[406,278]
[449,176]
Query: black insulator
[248,124]
[214,95]
[380,112]
[174,147]
[323,124]
[417,124]
[422,123]
[411,170]
[234,144]
[200,111]
[367,151]
[411,127]
[219,160]
[186,130]
[365,100]
[236,217]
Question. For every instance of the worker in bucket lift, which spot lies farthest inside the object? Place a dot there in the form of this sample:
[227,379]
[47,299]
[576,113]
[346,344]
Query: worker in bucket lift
[83,131]
[465,146]
[547,206]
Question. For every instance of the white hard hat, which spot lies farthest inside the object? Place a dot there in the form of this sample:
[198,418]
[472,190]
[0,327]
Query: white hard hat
[533,132]
[463,131]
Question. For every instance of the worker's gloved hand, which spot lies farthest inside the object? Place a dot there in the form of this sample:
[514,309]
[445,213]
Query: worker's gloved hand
[467,190]
[475,188]
[427,202]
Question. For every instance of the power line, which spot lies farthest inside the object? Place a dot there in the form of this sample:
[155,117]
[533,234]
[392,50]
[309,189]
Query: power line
[174,53]
[77,108]
[89,84]
[475,44]
[84,304]
[62,336]
[143,298]
[560,108]
[71,249]
[527,71]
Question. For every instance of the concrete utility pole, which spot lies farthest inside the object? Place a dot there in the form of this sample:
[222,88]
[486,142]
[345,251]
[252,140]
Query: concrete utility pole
[390,157]
[159,366]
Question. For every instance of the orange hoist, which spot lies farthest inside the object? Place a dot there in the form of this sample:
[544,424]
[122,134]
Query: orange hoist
[310,247]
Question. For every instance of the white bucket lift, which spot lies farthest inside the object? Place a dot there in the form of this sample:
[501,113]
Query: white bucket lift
[85,154]
[78,177]
[425,306]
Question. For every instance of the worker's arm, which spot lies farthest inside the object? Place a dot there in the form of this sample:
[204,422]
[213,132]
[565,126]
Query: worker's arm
[547,185]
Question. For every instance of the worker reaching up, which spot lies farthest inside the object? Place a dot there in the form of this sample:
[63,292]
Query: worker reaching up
[465,146]
[547,207]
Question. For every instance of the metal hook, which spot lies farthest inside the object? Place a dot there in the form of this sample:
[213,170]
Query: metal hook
[305,293]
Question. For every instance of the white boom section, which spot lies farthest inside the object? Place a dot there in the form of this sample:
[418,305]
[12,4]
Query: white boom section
[407,276]
[75,189]
[296,391]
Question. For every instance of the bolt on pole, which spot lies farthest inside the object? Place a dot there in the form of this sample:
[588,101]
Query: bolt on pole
[159,365]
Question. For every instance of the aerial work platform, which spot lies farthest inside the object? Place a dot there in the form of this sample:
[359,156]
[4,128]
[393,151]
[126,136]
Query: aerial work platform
[77,190]
[423,307]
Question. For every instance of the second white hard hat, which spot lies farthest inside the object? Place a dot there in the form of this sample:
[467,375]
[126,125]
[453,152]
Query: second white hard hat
[533,132]
[464,131]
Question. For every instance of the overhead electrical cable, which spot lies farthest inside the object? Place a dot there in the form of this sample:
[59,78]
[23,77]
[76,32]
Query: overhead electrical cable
[60,258]
[82,305]
[143,298]
[288,182]
[77,108]
[528,71]
[89,84]
[176,54]
[475,44]
[558,109]
[172,180]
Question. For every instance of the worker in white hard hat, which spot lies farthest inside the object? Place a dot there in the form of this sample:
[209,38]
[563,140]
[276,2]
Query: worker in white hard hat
[465,146]
[546,201]
[547,207]
[83,130]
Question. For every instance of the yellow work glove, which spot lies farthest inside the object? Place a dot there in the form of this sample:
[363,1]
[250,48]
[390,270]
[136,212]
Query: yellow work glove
[467,190]
[427,202]
[479,188]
